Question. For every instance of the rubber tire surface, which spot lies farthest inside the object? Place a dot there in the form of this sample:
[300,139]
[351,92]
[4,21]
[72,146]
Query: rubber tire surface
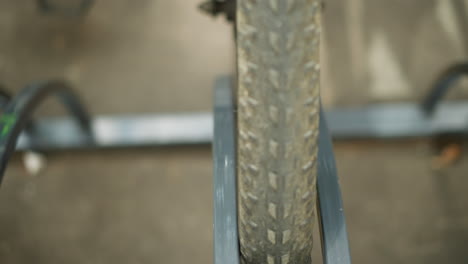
[278,117]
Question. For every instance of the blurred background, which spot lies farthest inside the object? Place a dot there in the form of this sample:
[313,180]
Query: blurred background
[155,205]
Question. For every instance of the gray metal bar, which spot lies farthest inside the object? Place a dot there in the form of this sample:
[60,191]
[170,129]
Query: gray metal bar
[335,246]
[121,131]
[226,248]
[396,120]
[383,121]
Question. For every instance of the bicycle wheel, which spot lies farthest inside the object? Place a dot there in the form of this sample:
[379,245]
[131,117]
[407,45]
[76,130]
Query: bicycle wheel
[278,117]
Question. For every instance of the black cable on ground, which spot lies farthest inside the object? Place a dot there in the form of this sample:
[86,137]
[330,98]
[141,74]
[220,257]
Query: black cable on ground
[442,84]
[18,112]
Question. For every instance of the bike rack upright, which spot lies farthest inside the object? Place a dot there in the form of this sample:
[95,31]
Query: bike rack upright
[332,224]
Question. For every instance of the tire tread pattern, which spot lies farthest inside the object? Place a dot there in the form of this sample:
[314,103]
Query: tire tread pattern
[278,117]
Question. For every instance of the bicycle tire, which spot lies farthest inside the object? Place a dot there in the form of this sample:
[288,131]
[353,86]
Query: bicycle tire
[278,119]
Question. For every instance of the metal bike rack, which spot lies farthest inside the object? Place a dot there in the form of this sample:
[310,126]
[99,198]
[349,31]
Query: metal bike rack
[52,134]
[403,120]
[333,231]
[381,121]
[226,248]
[442,85]
[378,121]
[17,113]
[331,215]
[19,132]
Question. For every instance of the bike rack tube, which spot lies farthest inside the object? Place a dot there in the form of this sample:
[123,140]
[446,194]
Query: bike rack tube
[18,112]
[332,223]
[441,86]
